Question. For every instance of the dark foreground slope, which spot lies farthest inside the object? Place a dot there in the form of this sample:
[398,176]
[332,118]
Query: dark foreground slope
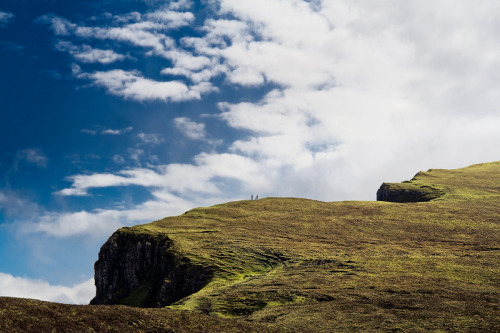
[308,266]
[27,315]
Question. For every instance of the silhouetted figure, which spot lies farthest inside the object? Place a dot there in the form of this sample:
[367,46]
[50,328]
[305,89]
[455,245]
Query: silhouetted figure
[257,197]
[251,197]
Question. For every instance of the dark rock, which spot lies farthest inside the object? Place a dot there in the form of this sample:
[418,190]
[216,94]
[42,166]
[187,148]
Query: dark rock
[142,269]
[407,192]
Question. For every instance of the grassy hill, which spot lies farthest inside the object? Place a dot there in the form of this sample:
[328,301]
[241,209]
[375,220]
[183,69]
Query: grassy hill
[309,266]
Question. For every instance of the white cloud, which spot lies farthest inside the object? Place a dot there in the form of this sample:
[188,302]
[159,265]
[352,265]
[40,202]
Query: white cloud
[143,34]
[82,182]
[60,26]
[149,33]
[23,287]
[189,128]
[180,5]
[87,54]
[132,85]
[5,18]
[363,88]
[110,131]
[183,179]
[151,138]
[196,68]
[171,19]
[78,223]
[103,222]
[33,156]
[246,77]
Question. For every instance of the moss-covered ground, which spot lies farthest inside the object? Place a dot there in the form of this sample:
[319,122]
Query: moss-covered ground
[308,266]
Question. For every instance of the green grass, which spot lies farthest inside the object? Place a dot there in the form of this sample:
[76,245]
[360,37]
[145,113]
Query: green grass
[309,266]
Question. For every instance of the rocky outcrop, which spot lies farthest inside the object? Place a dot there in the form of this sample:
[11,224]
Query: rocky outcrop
[407,192]
[142,269]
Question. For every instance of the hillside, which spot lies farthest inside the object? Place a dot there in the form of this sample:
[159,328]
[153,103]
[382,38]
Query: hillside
[428,260]
[27,315]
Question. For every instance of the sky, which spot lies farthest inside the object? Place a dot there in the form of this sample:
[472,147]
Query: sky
[120,112]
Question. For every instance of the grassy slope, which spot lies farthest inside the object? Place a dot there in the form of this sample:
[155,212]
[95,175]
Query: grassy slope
[304,265]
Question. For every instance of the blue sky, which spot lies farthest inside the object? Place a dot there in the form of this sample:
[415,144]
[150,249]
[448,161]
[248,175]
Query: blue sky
[115,113]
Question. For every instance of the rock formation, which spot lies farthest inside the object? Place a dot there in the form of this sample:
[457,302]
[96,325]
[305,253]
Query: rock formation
[407,192]
[145,270]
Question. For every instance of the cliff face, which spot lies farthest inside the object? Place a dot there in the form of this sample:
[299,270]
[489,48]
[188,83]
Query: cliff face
[407,192]
[140,269]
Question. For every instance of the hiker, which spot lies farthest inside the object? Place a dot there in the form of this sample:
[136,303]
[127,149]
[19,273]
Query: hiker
[257,197]
[251,197]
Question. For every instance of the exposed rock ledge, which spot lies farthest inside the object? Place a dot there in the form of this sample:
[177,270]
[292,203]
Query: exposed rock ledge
[407,192]
[145,270]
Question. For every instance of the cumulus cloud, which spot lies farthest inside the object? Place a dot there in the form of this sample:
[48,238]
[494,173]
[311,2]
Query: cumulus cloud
[142,34]
[24,287]
[172,19]
[177,178]
[87,54]
[77,223]
[147,32]
[357,93]
[132,85]
[189,128]
[246,77]
[105,221]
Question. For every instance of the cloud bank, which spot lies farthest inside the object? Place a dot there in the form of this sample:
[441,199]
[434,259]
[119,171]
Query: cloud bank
[22,287]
